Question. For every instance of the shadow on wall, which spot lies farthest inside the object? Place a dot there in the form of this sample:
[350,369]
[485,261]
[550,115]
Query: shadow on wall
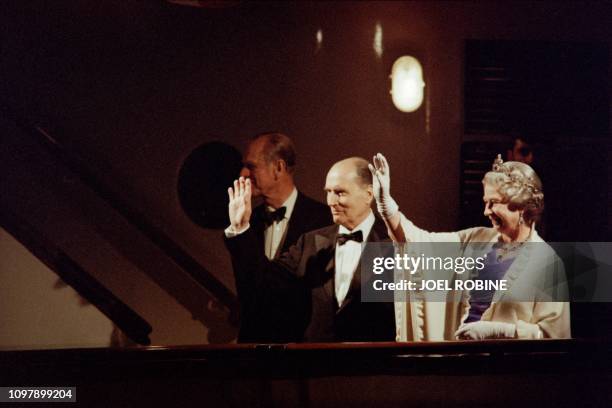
[203,181]
[202,190]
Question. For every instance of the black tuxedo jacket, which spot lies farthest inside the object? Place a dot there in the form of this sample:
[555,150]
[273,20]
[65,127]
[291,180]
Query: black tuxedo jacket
[268,314]
[308,267]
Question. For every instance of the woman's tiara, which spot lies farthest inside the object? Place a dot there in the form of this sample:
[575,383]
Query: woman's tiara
[514,176]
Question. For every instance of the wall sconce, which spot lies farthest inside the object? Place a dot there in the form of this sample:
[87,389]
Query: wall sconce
[407,84]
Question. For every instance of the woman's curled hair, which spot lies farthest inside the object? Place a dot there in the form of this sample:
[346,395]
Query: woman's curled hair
[520,187]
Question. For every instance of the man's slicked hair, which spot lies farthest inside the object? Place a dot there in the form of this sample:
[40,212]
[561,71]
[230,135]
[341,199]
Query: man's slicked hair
[278,147]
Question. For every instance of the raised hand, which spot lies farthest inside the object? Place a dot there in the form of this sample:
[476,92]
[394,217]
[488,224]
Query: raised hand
[240,204]
[381,184]
[380,177]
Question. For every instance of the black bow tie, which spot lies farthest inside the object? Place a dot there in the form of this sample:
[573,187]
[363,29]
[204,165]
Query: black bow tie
[271,216]
[355,236]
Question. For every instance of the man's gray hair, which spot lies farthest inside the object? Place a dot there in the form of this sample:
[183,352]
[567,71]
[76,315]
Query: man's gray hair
[278,147]
[363,172]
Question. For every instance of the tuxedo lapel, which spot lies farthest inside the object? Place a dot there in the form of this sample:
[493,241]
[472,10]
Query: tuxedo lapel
[325,241]
[259,226]
[295,227]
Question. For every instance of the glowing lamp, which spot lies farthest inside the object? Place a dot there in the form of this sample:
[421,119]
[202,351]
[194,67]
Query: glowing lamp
[407,84]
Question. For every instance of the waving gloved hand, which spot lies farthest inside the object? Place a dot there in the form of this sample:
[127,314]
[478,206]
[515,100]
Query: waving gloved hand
[486,330]
[381,182]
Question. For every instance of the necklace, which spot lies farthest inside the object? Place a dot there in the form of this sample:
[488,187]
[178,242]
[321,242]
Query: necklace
[506,251]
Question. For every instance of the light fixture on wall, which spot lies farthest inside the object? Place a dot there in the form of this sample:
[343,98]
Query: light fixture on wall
[378,40]
[407,84]
[319,37]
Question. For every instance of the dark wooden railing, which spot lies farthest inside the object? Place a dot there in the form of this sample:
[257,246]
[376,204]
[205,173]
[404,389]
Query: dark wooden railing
[468,373]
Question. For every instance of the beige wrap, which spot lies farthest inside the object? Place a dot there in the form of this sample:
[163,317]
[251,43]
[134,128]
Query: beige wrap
[418,319]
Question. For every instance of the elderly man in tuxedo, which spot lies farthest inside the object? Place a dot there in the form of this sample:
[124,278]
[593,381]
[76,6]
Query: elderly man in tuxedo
[324,263]
[268,315]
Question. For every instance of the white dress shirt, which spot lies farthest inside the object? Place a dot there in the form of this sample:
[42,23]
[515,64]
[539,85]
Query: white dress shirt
[348,257]
[271,235]
[275,233]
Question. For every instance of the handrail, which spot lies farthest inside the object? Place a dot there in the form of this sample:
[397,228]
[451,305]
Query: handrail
[184,260]
[130,323]
[500,373]
[315,354]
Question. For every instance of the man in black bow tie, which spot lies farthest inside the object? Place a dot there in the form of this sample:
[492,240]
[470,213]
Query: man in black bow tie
[325,263]
[267,315]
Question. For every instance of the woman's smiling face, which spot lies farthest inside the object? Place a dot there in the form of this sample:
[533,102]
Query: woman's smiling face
[504,220]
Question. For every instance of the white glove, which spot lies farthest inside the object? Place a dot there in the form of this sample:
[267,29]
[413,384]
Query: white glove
[381,184]
[486,330]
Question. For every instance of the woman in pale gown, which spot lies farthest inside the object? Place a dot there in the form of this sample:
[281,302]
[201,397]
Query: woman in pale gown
[513,202]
